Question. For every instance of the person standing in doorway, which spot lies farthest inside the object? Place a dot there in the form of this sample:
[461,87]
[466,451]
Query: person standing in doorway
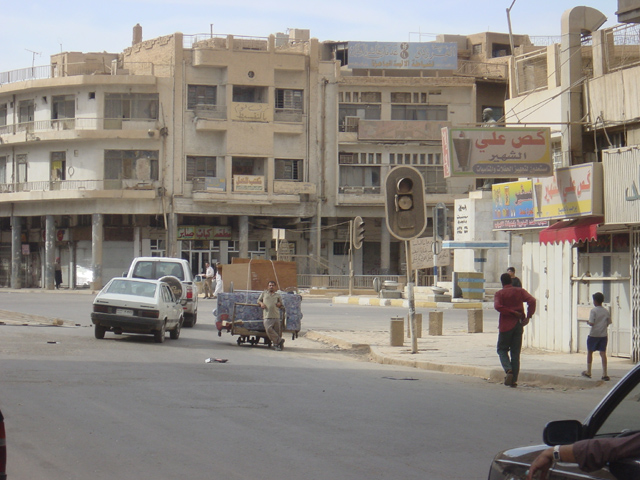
[271,302]
[515,281]
[58,273]
[509,302]
[599,321]
[208,279]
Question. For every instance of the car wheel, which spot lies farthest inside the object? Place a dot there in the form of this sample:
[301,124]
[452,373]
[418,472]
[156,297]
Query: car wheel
[175,333]
[190,319]
[99,332]
[159,335]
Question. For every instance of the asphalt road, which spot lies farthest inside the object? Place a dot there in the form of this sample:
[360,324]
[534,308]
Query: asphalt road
[128,408]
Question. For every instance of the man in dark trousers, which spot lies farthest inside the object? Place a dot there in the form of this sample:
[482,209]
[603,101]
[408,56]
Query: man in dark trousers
[509,302]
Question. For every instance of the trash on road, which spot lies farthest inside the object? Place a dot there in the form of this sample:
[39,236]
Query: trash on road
[217,360]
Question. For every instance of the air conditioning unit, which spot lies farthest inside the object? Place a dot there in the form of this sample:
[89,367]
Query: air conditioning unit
[351,124]
[347,159]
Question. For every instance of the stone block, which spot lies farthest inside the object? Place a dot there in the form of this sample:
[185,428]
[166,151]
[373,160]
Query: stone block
[435,323]
[397,332]
[475,319]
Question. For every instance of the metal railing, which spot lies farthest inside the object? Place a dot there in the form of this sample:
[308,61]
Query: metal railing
[483,69]
[79,124]
[341,282]
[72,185]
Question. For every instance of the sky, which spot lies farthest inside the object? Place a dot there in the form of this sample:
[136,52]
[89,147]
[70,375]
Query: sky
[34,30]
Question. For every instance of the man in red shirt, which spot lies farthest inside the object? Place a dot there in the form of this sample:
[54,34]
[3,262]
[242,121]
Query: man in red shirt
[509,302]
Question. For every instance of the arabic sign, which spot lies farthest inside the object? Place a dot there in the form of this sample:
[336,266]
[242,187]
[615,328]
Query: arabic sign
[513,206]
[215,184]
[622,185]
[571,192]
[251,112]
[422,254]
[204,232]
[405,55]
[400,130]
[248,183]
[496,152]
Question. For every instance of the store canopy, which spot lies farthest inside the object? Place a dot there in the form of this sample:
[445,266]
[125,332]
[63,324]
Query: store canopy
[577,230]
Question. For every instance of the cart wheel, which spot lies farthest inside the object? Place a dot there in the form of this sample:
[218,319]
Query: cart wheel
[239,341]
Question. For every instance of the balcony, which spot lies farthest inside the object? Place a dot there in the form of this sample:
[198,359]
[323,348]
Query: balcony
[71,128]
[78,189]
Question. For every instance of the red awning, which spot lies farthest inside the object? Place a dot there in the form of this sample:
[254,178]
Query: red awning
[576,230]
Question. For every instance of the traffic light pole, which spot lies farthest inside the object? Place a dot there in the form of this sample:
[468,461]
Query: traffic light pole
[350,258]
[411,299]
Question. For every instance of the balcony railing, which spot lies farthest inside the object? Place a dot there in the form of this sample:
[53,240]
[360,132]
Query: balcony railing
[360,190]
[72,185]
[288,115]
[82,68]
[79,124]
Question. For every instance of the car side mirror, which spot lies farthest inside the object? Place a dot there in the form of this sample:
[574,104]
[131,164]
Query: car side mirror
[562,432]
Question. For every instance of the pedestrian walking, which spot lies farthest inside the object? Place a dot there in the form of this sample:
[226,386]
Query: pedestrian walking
[515,281]
[509,302]
[271,302]
[599,321]
[208,280]
[57,273]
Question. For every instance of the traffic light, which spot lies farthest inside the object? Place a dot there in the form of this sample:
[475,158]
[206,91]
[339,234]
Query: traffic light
[358,232]
[440,221]
[406,211]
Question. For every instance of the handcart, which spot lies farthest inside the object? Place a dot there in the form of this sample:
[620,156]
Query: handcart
[239,314]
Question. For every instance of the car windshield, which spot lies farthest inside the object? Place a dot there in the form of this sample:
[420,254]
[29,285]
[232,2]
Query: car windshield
[128,287]
[625,417]
[154,270]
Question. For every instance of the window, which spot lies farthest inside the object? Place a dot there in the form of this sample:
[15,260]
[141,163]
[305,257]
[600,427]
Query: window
[131,164]
[359,179]
[3,169]
[142,106]
[249,94]
[247,166]
[3,114]
[288,169]
[365,112]
[200,167]
[340,248]
[21,160]
[63,106]
[58,166]
[288,99]
[25,111]
[476,49]
[201,95]
[419,112]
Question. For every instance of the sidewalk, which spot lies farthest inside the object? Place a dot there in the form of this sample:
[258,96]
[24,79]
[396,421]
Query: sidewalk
[473,354]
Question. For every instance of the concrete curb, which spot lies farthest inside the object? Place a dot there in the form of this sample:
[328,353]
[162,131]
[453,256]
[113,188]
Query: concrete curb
[493,375]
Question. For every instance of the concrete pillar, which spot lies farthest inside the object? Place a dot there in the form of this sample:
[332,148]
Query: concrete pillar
[97,239]
[315,243]
[435,323]
[72,265]
[418,325]
[397,332]
[172,235]
[244,236]
[49,252]
[16,251]
[385,250]
[599,49]
[475,320]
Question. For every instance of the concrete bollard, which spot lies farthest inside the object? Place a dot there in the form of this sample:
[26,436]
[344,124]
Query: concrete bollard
[475,318]
[418,325]
[435,323]
[397,332]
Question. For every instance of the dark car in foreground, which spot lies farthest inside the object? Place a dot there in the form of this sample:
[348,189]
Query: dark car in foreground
[128,305]
[617,414]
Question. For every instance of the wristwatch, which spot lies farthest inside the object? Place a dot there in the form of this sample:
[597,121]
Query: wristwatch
[556,454]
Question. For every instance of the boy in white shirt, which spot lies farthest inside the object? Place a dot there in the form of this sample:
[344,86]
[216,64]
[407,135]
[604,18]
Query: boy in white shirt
[599,321]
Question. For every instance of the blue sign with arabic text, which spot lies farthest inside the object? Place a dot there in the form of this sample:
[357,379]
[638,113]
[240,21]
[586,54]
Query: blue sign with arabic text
[404,55]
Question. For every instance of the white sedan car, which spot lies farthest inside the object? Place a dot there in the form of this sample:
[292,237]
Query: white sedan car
[133,305]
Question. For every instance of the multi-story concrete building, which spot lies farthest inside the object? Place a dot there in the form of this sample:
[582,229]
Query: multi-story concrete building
[584,90]
[199,146]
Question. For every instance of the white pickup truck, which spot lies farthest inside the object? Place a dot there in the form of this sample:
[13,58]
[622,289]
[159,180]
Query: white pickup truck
[155,268]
